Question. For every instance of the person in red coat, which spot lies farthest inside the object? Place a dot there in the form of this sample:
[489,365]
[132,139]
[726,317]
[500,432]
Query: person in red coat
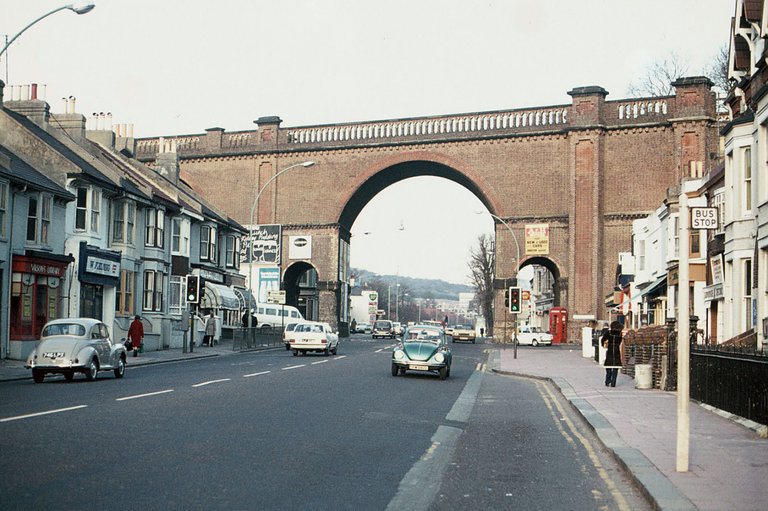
[136,334]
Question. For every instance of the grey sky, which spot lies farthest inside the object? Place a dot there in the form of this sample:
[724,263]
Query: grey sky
[181,66]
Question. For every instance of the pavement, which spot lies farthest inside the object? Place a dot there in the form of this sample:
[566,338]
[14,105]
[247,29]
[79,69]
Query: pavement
[728,456]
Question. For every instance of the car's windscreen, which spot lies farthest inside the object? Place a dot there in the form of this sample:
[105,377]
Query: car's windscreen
[423,334]
[380,325]
[64,329]
[316,329]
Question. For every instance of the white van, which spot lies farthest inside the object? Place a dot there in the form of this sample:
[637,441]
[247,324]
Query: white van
[276,316]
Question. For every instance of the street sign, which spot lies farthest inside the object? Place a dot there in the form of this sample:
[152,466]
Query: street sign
[276,297]
[526,294]
[704,218]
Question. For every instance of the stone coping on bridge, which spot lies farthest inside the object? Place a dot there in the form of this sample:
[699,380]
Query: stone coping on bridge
[625,112]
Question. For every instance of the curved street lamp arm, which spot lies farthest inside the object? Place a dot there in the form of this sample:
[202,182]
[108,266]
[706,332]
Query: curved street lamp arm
[517,245]
[77,10]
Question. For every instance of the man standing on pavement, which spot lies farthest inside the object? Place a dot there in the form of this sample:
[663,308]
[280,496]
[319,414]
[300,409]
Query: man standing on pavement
[136,334]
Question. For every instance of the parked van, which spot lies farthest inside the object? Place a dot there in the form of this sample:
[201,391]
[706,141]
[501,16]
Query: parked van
[276,317]
[383,328]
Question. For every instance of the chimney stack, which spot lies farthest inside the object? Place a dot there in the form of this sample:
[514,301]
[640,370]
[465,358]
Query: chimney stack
[24,100]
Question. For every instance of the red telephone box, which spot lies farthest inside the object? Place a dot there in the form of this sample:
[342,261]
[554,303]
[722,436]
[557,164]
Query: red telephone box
[558,324]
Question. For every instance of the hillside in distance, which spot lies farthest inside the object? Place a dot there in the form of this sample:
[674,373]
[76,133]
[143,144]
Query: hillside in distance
[416,288]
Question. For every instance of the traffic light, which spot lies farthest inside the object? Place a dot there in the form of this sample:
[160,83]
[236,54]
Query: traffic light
[514,300]
[193,289]
[506,298]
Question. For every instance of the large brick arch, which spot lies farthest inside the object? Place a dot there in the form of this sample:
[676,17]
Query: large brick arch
[587,169]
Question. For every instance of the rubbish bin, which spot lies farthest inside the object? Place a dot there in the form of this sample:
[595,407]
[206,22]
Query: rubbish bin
[643,376]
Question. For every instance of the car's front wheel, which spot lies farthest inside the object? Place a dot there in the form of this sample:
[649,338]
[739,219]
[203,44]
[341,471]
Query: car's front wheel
[535,342]
[395,370]
[443,373]
[120,368]
[92,371]
[38,375]
[295,353]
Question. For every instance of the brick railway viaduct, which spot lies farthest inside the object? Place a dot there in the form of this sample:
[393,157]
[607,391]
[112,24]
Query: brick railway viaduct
[587,169]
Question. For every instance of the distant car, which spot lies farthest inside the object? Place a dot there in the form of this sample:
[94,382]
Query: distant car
[384,329]
[449,329]
[463,333]
[423,349]
[289,328]
[314,336]
[364,328]
[76,345]
[533,335]
[399,329]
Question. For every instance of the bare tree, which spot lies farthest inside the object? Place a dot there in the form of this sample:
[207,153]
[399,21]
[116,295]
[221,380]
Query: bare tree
[482,261]
[658,78]
[717,70]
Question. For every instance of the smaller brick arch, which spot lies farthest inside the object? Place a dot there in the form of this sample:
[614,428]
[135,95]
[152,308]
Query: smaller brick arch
[293,295]
[554,268]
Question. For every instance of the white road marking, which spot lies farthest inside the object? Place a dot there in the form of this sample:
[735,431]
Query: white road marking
[209,382]
[294,367]
[256,374]
[321,362]
[339,358]
[144,395]
[379,350]
[38,414]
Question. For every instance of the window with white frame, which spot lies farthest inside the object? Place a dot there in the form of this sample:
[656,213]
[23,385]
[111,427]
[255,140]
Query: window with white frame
[747,293]
[123,221]
[747,165]
[87,209]
[232,250]
[180,236]
[208,243]
[640,255]
[153,225]
[39,218]
[718,201]
[675,236]
[177,302]
[124,298]
[153,290]
[3,208]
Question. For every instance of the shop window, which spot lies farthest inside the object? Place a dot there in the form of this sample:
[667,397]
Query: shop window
[91,301]
[124,298]
[34,302]
[153,290]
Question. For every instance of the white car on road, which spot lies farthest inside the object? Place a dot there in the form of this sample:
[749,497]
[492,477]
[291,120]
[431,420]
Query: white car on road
[313,336]
[533,335]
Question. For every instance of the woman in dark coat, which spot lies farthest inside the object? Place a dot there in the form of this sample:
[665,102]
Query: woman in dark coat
[612,342]
[136,334]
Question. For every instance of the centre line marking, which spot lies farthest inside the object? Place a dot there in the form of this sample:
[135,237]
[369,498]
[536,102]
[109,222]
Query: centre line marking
[144,395]
[209,382]
[38,414]
[294,367]
[321,362]
[339,358]
[256,374]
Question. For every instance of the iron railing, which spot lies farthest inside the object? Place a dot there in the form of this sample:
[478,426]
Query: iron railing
[256,338]
[733,381]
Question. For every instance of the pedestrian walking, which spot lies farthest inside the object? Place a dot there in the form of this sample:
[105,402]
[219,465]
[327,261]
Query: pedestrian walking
[136,334]
[210,330]
[613,342]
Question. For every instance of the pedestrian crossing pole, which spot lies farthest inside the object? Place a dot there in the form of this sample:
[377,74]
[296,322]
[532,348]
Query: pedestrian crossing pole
[683,340]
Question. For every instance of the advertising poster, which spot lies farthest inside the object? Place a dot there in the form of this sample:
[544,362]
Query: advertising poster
[536,239]
[300,247]
[266,245]
[269,280]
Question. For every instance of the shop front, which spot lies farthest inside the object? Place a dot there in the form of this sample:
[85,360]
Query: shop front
[98,276]
[36,296]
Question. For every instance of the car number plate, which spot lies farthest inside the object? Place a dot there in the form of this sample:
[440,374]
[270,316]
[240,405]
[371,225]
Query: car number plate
[57,354]
[418,368]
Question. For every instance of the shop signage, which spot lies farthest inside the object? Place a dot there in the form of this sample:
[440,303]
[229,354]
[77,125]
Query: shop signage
[536,239]
[211,276]
[300,247]
[266,245]
[39,269]
[714,292]
[102,266]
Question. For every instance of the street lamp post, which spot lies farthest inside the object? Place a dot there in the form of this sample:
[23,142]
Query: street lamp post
[81,9]
[250,233]
[517,270]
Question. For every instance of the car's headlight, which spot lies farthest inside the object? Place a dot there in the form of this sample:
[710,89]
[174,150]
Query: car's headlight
[399,354]
[439,358]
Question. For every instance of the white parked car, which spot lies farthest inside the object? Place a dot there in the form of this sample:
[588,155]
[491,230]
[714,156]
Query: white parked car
[313,336]
[76,345]
[533,335]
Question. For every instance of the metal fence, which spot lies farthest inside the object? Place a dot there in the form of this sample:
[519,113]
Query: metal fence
[256,338]
[736,382]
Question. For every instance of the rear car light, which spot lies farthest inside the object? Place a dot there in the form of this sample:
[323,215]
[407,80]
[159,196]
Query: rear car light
[323,341]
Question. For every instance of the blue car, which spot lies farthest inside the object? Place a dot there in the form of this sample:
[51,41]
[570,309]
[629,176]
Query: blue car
[423,349]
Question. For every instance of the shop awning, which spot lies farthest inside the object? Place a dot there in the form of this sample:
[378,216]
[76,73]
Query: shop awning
[655,286]
[242,296]
[217,296]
